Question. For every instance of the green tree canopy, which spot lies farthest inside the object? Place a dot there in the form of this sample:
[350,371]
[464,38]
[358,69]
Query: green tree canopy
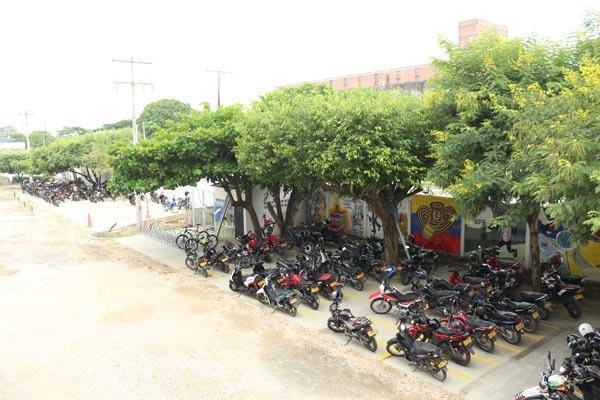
[40,139]
[85,155]
[157,114]
[71,131]
[124,123]
[15,162]
[275,146]
[374,145]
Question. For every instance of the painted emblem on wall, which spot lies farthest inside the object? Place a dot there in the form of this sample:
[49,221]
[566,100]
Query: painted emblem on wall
[436,218]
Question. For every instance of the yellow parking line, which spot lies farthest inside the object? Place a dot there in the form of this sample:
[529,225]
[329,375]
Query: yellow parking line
[508,347]
[484,360]
[460,374]
[531,336]
[384,323]
[551,325]
[383,356]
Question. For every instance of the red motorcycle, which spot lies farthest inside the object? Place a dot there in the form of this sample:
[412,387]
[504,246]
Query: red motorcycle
[456,344]
[307,290]
[272,243]
[387,297]
[484,332]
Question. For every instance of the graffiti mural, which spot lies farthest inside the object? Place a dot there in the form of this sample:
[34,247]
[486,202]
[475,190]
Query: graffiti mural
[436,223]
[578,260]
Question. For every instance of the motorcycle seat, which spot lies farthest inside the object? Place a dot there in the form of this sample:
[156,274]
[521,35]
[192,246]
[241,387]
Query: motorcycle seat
[401,297]
[518,305]
[474,280]
[479,323]
[506,315]
[422,348]
[445,331]
[438,294]
[533,296]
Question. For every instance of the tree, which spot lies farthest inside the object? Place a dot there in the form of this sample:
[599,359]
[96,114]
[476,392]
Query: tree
[12,133]
[85,156]
[157,114]
[556,139]
[124,123]
[199,146]
[15,162]
[40,139]
[275,146]
[375,146]
[71,131]
[476,110]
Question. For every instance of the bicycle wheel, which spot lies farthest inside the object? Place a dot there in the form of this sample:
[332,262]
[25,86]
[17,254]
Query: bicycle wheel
[181,240]
[211,241]
[191,245]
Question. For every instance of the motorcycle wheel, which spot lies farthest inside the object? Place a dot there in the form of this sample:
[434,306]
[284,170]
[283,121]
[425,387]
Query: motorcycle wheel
[313,302]
[404,278]
[336,326]
[395,349]
[544,313]
[190,263]
[308,248]
[485,343]
[530,324]
[439,374]
[461,356]
[572,307]
[225,267]
[292,310]
[262,298]
[233,286]
[381,306]
[370,343]
[358,285]
[510,335]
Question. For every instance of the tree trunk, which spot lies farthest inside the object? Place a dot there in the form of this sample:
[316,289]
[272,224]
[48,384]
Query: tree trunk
[249,207]
[292,210]
[534,250]
[390,230]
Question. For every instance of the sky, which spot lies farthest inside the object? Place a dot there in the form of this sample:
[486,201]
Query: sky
[56,56]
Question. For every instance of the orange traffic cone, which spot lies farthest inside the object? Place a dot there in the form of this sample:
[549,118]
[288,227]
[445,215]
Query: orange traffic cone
[89,221]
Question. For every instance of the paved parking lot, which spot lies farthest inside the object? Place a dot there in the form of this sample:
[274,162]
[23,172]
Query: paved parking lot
[494,376]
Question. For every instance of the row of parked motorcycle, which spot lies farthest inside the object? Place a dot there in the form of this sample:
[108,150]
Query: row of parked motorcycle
[57,191]
[580,370]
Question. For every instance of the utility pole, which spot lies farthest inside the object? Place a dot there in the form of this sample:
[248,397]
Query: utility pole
[27,114]
[132,82]
[219,72]
[134,133]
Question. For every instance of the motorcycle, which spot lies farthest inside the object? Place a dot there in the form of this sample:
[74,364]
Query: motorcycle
[282,299]
[550,386]
[249,283]
[358,328]
[560,292]
[484,332]
[330,234]
[440,301]
[424,355]
[308,291]
[526,311]
[456,344]
[508,324]
[353,276]
[539,299]
[386,297]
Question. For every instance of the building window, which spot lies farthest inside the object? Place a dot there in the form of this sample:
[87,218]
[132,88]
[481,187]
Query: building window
[417,74]
[345,83]
[376,79]
[397,76]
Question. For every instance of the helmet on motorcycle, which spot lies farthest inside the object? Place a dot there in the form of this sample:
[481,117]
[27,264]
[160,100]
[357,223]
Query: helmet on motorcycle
[558,382]
[390,270]
[586,330]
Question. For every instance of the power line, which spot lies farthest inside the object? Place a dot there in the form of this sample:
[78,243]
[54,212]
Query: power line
[219,72]
[133,83]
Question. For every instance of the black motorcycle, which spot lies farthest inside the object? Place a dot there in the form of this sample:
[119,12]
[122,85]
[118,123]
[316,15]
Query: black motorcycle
[343,321]
[560,292]
[508,324]
[526,311]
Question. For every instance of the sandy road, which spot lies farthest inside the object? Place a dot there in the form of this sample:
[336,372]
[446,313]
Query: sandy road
[83,319]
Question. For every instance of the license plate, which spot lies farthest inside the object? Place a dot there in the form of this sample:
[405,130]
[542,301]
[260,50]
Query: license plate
[535,315]
[467,341]
[442,363]
[314,290]
[372,332]
[519,326]
[261,282]
[359,275]
[280,280]
[225,259]
[292,301]
[492,334]
[489,289]
[426,306]
[548,304]
[333,284]
[578,296]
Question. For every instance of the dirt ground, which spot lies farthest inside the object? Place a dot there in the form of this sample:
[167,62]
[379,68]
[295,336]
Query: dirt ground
[84,319]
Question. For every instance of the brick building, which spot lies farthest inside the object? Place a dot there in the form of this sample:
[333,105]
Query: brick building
[412,79]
